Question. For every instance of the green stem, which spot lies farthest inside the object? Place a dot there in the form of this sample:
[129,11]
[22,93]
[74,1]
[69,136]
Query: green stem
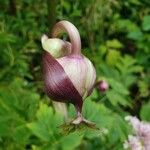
[12,7]
[51,6]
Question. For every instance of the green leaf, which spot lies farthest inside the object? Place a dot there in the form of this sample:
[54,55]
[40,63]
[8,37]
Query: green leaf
[102,49]
[129,80]
[126,25]
[6,38]
[94,94]
[128,65]
[105,119]
[145,112]
[18,99]
[136,2]
[71,141]
[46,125]
[115,98]
[95,113]
[66,5]
[112,57]
[108,71]
[146,23]
[114,44]
[128,60]
[143,88]
[118,87]
[135,69]
[135,35]
[21,132]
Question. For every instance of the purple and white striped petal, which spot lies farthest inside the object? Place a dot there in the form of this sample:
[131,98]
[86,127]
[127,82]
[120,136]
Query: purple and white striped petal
[58,85]
[80,71]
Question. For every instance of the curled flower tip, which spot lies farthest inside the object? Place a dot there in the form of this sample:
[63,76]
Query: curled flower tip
[103,86]
[72,31]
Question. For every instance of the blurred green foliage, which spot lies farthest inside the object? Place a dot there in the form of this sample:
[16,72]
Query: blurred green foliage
[115,36]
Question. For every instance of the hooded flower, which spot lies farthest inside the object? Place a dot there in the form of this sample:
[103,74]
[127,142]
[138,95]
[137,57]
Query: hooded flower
[68,75]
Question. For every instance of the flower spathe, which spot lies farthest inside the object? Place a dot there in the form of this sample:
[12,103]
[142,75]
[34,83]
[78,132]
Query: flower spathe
[68,75]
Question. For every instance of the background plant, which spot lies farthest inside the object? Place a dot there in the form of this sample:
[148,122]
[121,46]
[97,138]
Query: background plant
[115,36]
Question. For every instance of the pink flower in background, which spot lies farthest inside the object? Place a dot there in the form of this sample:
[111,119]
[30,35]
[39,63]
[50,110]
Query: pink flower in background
[141,139]
[103,86]
[134,143]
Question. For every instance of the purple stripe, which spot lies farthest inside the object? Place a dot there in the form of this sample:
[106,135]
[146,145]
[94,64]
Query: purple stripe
[58,86]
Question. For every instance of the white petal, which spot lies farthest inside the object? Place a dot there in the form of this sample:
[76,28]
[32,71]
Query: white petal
[91,74]
[56,47]
[80,71]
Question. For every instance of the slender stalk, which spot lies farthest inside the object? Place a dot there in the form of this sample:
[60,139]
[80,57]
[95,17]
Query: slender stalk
[79,117]
[78,111]
[81,120]
[12,7]
[51,6]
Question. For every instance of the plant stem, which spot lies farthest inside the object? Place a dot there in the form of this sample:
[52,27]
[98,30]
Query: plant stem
[12,7]
[51,6]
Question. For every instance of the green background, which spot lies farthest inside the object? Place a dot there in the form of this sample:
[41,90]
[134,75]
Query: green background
[115,36]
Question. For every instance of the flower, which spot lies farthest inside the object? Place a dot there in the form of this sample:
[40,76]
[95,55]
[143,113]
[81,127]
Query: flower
[141,140]
[134,143]
[68,75]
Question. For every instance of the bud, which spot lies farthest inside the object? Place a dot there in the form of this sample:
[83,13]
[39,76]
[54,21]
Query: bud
[103,86]
[68,75]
